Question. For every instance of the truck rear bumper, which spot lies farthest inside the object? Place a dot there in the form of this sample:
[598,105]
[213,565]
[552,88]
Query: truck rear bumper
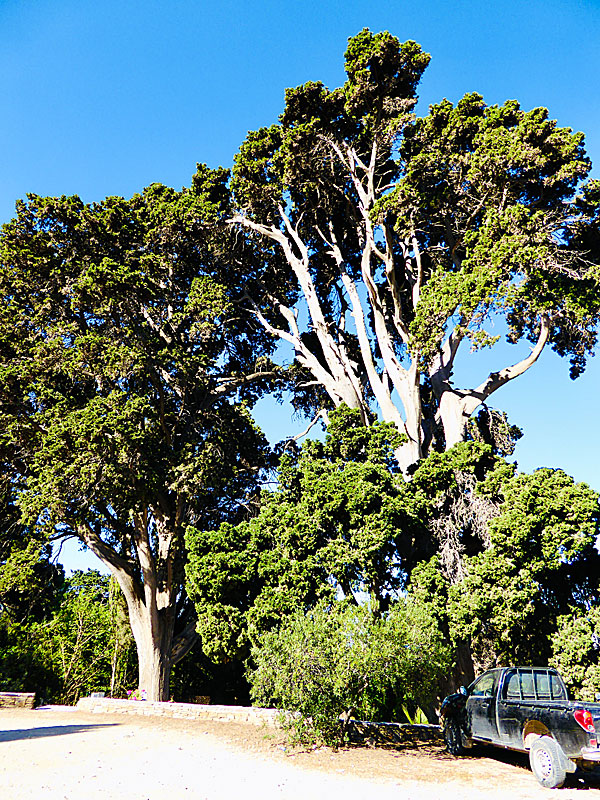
[590,753]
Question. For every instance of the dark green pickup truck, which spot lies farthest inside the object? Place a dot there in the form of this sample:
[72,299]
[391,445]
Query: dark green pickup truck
[525,708]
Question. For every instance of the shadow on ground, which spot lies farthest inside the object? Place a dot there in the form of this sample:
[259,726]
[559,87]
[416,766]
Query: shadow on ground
[512,757]
[50,730]
[578,780]
[427,740]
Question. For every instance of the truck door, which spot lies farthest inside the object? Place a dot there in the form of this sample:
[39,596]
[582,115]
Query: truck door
[517,686]
[481,707]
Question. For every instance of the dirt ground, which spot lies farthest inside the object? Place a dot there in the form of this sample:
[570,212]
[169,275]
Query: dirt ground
[64,754]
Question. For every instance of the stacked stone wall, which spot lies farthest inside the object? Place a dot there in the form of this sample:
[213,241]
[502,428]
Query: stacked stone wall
[17,699]
[394,733]
[372,733]
[213,713]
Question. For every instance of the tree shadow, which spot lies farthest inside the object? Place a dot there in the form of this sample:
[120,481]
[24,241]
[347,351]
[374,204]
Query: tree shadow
[50,730]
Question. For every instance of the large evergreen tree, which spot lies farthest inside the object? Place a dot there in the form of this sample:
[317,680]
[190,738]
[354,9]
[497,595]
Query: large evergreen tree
[390,241]
[124,378]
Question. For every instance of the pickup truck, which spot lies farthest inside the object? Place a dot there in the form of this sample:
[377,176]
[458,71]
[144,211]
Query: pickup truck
[526,709]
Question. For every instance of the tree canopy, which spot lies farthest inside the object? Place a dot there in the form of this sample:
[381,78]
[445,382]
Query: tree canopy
[389,242]
[537,570]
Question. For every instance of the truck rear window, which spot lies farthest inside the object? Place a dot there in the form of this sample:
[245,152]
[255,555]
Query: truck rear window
[528,684]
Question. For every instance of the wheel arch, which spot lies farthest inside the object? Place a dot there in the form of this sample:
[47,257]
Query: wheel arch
[532,730]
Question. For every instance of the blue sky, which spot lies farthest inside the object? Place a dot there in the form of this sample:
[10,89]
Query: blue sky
[105,97]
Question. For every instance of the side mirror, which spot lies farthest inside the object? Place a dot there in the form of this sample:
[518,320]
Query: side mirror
[462,690]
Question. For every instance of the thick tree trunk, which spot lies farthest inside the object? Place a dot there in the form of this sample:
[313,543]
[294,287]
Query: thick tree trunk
[455,420]
[153,633]
[150,605]
[154,669]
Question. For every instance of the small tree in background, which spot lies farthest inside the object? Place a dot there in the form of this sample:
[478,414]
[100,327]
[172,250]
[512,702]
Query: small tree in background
[86,645]
[78,636]
[340,661]
[26,660]
[90,641]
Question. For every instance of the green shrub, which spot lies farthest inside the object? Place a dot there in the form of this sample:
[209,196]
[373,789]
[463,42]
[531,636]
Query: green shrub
[339,661]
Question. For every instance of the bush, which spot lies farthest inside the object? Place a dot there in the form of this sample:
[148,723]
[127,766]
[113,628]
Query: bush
[339,661]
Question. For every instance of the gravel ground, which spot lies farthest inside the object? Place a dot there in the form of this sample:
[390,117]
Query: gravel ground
[63,754]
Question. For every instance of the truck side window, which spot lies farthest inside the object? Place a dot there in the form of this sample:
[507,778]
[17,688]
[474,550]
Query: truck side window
[527,691]
[556,687]
[511,686]
[484,686]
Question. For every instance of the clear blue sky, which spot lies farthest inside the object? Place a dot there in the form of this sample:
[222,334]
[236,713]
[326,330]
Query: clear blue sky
[106,97]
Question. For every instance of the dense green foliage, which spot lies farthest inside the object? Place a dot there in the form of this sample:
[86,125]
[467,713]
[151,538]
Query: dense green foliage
[576,652]
[539,565]
[85,645]
[340,660]
[26,660]
[30,582]
[341,519]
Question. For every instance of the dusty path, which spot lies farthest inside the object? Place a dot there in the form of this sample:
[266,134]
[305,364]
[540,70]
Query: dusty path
[70,755]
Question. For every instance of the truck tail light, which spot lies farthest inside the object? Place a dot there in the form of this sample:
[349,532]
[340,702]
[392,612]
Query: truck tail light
[584,718]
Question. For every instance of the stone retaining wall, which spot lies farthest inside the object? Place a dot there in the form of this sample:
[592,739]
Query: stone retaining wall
[17,699]
[380,733]
[214,713]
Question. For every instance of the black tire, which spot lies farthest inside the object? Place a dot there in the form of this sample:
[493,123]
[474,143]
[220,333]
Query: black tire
[453,738]
[546,759]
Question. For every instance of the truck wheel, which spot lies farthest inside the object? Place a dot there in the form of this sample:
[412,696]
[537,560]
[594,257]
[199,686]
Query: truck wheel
[546,762]
[453,738]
